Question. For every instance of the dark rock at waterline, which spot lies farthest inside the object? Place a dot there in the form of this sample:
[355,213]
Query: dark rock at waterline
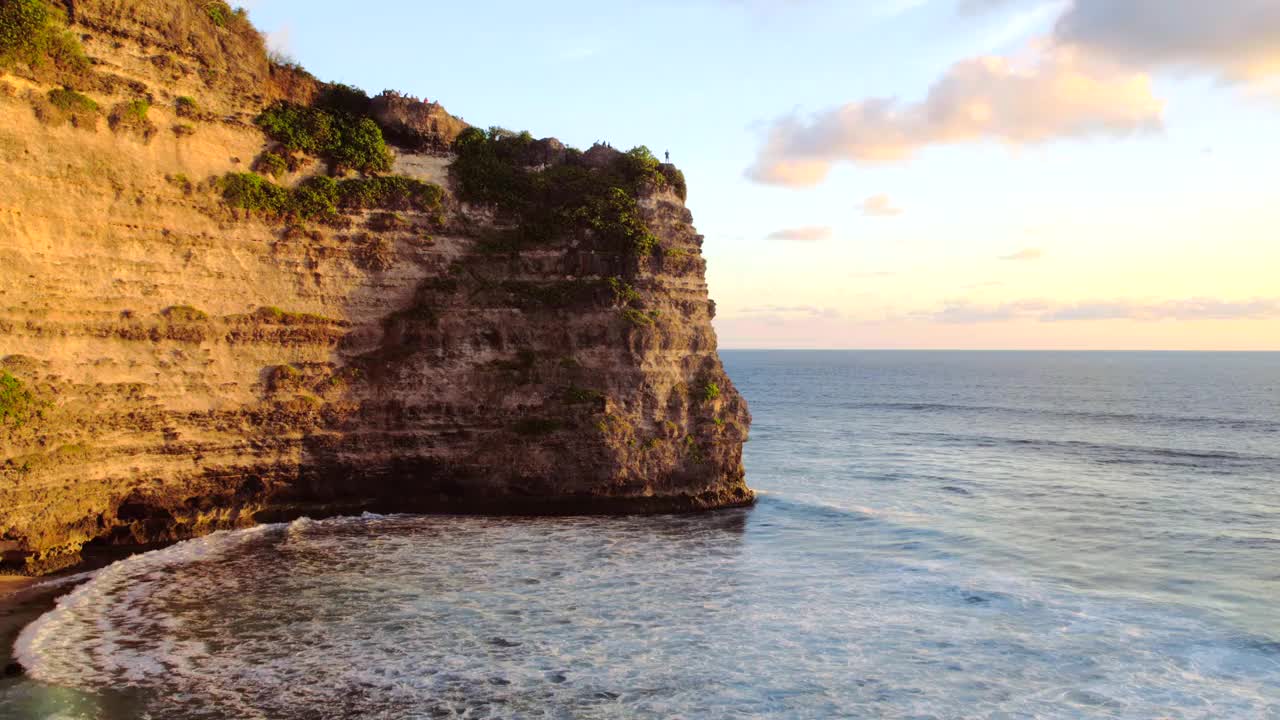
[14,669]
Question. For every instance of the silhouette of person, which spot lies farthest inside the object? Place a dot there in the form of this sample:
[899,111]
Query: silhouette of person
[668,154]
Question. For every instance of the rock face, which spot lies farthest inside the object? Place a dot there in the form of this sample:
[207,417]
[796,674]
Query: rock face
[415,124]
[170,366]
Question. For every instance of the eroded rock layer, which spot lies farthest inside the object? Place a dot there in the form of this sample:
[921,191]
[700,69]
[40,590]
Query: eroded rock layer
[171,365]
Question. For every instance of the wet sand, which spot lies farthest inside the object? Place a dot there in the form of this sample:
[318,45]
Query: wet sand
[23,599]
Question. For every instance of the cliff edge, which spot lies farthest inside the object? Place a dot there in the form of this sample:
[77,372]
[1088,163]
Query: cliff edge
[231,293]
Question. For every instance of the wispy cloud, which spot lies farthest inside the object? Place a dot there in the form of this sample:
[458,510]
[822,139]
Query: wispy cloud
[965,312]
[280,40]
[784,315]
[880,206]
[576,53]
[802,234]
[810,310]
[1024,255]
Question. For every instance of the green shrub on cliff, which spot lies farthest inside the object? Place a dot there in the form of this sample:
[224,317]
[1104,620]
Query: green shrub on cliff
[500,168]
[136,110]
[321,197]
[675,179]
[639,318]
[218,13]
[221,14]
[312,198]
[250,191]
[271,163]
[297,127]
[31,33]
[184,314]
[347,140]
[275,315]
[21,24]
[17,404]
[70,101]
[392,192]
[623,292]
[185,107]
[639,161]
[132,117]
[340,98]
[65,105]
[315,197]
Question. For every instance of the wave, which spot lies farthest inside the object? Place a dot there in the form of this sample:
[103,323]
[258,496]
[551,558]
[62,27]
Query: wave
[563,618]
[41,641]
[1108,453]
[853,512]
[1227,423]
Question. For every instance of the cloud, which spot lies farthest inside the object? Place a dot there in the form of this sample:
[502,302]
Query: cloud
[1060,94]
[1236,40]
[810,310]
[785,315]
[965,312]
[1090,80]
[1024,255]
[880,206]
[802,234]
[280,40]
[1192,309]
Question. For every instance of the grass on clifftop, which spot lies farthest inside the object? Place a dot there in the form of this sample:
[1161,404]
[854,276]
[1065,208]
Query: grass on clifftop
[495,168]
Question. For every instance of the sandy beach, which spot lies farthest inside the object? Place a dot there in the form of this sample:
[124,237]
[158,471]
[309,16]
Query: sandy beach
[22,600]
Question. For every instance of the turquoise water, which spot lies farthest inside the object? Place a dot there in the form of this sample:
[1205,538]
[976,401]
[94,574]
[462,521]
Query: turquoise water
[940,535]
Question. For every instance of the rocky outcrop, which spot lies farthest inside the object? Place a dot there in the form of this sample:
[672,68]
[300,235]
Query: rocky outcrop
[171,365]
[415,124]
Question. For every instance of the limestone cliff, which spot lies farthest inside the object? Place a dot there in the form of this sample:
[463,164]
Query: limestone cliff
[186,347]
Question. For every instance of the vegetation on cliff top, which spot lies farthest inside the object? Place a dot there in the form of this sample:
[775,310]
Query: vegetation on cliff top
[346,139]
[549,201]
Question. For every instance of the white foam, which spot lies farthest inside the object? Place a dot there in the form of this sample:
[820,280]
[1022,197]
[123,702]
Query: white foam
[655,617]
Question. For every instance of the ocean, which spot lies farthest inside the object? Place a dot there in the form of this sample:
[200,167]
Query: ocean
[939,535]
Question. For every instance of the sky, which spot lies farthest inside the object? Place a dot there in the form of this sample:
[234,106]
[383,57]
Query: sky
[950,174]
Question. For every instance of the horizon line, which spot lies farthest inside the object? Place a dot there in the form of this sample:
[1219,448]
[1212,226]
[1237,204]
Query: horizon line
[981,350]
